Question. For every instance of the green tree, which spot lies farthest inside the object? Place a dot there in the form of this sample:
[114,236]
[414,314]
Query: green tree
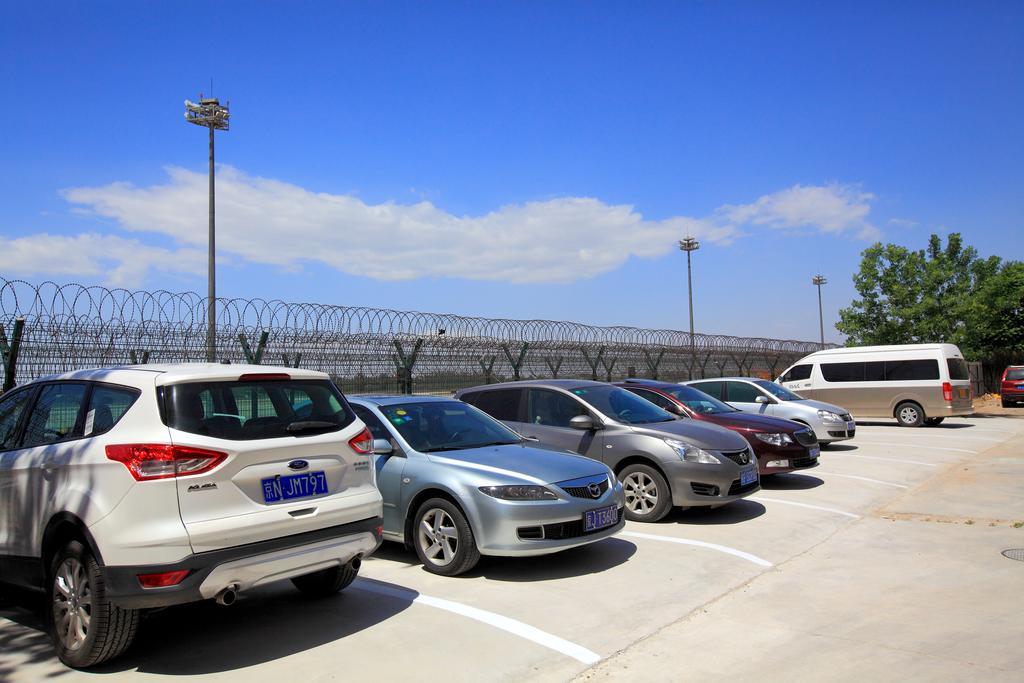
[995,317]
[909,297]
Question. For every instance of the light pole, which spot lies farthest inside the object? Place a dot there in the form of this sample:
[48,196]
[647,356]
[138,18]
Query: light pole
[820,280]
[209,113]
[690,245]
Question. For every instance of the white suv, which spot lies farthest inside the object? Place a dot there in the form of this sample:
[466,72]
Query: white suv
[131,488]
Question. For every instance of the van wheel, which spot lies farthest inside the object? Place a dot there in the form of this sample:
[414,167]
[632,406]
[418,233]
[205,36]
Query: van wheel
[932,421]
[443,538]
[326,582]
[648,497]
[909,414]
[87,628]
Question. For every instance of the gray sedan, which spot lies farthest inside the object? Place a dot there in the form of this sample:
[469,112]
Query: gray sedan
[458,484]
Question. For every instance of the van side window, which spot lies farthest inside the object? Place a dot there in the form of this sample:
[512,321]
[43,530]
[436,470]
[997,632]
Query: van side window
[958,368]
[797,373]
[897,370]
[843,372]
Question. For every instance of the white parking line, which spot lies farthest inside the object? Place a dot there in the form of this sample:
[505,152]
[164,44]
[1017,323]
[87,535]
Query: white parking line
[871,457]
[927,448]
[853,476]
[701,544]
[804,505]
[945,435]
[517,628]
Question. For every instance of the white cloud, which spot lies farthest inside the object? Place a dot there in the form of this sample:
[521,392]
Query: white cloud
[266,221]
[114,260]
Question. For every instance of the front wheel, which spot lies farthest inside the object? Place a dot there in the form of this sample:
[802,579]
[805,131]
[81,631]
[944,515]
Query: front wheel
[648,497]
[326,582]
[909,415]
[443,538]
[932,421]
[87,628]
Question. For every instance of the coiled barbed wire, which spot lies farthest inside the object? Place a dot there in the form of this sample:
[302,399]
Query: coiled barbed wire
[71,326]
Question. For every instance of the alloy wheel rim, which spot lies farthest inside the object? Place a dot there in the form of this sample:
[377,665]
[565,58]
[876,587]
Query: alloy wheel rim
[641,493]
[72,603]
[908,414]
[438,537]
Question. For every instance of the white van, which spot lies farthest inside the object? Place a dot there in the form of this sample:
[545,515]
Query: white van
[915,383]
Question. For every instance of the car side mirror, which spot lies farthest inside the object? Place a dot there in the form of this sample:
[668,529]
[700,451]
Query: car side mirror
[762,399]
[582,422]
[382,447]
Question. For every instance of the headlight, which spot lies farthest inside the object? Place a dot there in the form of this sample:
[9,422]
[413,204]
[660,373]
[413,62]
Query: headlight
[517,492]
[690,453]
[775,439]
[829,416]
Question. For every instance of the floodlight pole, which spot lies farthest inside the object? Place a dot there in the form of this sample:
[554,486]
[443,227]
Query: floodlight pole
[820,280]
[690,245]
[210,114]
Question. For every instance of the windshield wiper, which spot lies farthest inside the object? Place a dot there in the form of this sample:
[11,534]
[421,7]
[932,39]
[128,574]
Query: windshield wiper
[466,447]
[311,426]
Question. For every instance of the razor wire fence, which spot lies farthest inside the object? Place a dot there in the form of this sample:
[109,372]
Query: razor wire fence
[50,328]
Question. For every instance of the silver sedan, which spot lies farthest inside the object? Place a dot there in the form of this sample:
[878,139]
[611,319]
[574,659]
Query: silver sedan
[458,484]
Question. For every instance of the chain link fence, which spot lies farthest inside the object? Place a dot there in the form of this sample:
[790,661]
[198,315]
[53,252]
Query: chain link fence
[51,328]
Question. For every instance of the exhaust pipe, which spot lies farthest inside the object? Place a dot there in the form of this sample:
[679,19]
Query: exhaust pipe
[355,563]
[227,596]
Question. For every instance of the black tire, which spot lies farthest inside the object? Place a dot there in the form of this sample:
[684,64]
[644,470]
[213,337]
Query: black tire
[437,525]
[909,414]
[78,602]
[326,582]
[649,492]
[933,421]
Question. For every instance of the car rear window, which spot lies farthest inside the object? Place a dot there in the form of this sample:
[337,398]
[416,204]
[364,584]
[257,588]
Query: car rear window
[259,409]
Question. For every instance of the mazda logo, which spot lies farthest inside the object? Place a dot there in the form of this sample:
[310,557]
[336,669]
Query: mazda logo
[298,465]
[595,490]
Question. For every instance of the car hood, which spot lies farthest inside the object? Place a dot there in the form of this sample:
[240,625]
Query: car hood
[821,405]
[759,423]
[703,435]
[531,461]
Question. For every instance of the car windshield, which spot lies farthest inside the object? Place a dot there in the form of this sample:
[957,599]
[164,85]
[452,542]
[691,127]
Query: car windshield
[781,393]
[1015,373]
[433,426]
[622,405]
[699,402]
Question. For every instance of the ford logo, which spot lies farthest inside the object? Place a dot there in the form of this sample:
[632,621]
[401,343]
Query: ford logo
[298,465]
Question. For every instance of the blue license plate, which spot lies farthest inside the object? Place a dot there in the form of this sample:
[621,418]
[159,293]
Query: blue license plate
[748,477]
[293,486]
[600,518]
[813,453]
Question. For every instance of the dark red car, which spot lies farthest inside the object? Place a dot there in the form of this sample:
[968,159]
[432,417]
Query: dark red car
[1012,388]
[780,445]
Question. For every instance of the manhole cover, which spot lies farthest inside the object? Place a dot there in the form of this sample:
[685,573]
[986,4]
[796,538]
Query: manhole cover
[1015,554]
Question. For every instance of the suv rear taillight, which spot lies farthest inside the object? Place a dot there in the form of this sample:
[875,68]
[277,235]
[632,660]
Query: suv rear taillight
[362,443]
[947,392]
[163,579]
[148,461]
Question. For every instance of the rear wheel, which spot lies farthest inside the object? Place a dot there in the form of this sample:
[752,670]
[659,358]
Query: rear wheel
[443,538]
[648,497]
[327,582]
[909,414]
[87,628]
[932,421]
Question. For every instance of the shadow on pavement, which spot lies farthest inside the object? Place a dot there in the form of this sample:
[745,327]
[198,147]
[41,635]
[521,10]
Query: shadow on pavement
[587,559]
[838,447]
[25,634]
[790,482]
[733,513]
[263,625]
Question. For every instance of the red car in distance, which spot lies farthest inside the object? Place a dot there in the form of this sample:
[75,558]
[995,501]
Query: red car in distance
[780,445]
[1011,390]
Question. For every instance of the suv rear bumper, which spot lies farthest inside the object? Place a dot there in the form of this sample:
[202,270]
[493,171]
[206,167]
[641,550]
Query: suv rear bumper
[245,566]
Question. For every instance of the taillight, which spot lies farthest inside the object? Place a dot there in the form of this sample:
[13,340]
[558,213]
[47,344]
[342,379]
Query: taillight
[362,443]
[163,579]
[263,376]
[148,461]
[947,391]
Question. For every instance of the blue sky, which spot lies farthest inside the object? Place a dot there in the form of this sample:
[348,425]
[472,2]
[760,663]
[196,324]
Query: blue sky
[525,160]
